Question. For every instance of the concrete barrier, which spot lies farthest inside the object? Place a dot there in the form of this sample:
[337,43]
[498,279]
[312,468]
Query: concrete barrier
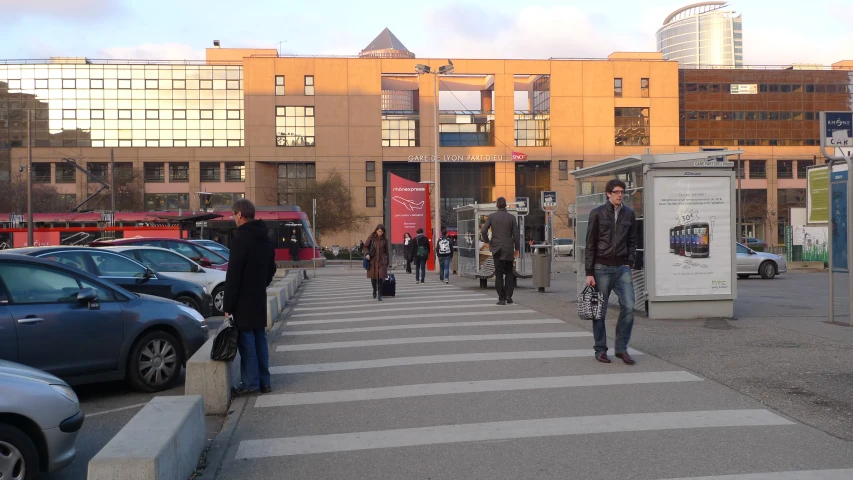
[280,293]
[806,266]
[163,441]
[212,379]
[280,273]
[272,311]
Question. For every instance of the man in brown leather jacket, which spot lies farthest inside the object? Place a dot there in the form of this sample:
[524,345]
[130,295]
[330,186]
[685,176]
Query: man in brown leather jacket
[611,245]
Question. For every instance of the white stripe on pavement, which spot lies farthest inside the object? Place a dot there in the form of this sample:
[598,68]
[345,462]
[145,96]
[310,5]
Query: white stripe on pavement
[414,340]
[368,299]
[437,359]
[369,290]
[384,309]
[532,428]
[451,388]
[416,315]
[433,301]
[415,326]
[843,474]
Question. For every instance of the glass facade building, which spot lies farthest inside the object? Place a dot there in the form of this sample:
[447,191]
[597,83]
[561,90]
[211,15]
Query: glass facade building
[702,34]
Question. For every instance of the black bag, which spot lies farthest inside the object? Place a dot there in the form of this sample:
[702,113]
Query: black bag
[225,343]
[389,286]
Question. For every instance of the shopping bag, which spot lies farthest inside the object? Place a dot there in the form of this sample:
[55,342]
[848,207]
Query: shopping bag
[225,343]
[365,263]
[590,304]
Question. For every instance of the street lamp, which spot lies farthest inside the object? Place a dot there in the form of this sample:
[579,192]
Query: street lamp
[443,70]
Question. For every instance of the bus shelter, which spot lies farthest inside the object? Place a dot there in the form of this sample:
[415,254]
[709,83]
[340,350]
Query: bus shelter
[685,209]
[475,259]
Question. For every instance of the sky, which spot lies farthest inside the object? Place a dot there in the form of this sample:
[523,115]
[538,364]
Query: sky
[776,32]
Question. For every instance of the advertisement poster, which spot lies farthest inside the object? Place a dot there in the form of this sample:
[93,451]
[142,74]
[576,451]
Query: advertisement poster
[813,241]
[818,195]
[40,239]
[410,210]
[839,225]
[693,251]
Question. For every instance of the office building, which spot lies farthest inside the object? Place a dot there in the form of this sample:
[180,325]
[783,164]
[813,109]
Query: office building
[702,35]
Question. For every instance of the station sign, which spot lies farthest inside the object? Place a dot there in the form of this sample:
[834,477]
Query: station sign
[836,129]
[522,205]
[549,200]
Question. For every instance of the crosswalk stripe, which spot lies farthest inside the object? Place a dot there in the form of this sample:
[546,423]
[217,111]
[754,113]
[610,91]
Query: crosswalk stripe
[437,359]
[432,301]
[369,299]
[384,309]
[506,430]
[415,326]
[451,388]
[367,291]
[415,315]
[841,474]
[414,340]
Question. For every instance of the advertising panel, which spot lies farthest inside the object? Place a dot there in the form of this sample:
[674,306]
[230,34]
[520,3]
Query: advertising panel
[410,210]
[817,200]
[813,241]
[694,214]
[839,226]
[40,239]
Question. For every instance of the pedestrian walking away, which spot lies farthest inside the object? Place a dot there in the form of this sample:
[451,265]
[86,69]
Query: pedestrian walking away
[611,246]
[444,252]
[376,252]
[504,247]
[408,251]
[421,255]
[250,271]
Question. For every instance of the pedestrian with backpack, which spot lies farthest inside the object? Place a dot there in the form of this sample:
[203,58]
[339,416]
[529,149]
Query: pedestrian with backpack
[421,255]
[444,252]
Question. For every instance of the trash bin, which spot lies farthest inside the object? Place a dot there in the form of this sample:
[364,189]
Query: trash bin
[454,261]
[541,267]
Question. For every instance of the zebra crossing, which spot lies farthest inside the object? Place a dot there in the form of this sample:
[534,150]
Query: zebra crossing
[439,382]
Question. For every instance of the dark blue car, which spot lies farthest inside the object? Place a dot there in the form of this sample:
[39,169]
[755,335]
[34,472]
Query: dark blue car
[84,330]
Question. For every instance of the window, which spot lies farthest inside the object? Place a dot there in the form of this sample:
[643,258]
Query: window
[632,126]
[371,197]
[124,84]
[29,284]
[758,169]
[152,114]
[97,114]
[69,114]
[309,85]
[232,85]
[98,169]
[124,114]
[166,201]
[235,172]
[187,250]
[209,171]
[294,126]
[115,265]
[41,173]
[617,87]
[95,83]
[578,164]
[65,173]
[179,172]
[370,171]
[152,84]
[803,167]
[206,114]
[533,130]
[644,87]
[179,114]
[69,83]
[279,85]
[564,169]
[179,84]
[294,178]
[233,114]
[205,85]
[400,131]
[164,261]
[154,172]
[785,169]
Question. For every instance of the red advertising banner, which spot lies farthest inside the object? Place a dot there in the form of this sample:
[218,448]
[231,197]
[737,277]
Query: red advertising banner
[40,239]
[410,210]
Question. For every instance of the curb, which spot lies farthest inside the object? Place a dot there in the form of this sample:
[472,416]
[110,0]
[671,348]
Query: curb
[219,445]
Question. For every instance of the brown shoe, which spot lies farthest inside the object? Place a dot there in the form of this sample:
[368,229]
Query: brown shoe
[602,357]
[626,358]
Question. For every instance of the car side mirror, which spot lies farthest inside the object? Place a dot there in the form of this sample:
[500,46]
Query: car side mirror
[196,268]
[752,252]
[204,262]
[87,295]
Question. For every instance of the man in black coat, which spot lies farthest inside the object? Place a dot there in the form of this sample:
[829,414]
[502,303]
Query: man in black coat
[503,245]
[251,268]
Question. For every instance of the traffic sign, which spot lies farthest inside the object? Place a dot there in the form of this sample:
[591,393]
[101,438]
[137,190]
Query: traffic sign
[572,211]
[549,200]
[522,205]
[836,129]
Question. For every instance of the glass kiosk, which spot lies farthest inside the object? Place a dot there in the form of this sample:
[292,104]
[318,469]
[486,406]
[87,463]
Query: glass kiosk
[475,259]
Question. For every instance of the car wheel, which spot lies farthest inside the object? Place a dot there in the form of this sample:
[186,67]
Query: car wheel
[219,300]
[155,362]
[767,270]
[190,302]
[740,275]
[19,459]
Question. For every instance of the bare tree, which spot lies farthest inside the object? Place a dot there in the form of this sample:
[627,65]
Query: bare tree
[46,198]
[336,210]
[130,192]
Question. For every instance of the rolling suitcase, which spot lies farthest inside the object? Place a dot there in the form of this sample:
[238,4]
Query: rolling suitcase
[389,286]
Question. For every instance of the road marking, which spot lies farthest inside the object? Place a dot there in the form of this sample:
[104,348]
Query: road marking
[354,311]
[451,388]
[416,315]
[368,291]
[437,359]
[414,340]
[532,428]
[433,301]
[129,407]
[372,300]
[414,326]
[844,474]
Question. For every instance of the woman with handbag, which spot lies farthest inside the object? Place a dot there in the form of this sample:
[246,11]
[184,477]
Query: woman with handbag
[376,253]
[408,251]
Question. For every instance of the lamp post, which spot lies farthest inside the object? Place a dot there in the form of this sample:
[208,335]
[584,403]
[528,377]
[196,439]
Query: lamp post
[445,70]
[29,179]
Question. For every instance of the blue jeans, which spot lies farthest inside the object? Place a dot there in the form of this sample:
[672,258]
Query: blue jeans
[420,268]
[444,268]
[254,359]
[618,279]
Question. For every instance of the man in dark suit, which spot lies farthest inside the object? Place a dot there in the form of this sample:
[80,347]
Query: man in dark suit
[251,268]
[503,245]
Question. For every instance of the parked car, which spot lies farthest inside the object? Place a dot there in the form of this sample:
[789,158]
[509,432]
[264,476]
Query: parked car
[564,246]
[126,273]
[215,246]
[203,256]
[752,242]
[39,419]
[82,329]
[179,266]
[750,262]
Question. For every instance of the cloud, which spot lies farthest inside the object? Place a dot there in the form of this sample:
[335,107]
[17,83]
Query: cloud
[63,9]
[153,51]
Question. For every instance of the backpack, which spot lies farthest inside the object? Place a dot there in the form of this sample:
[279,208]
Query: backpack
[444,246]
[423,250]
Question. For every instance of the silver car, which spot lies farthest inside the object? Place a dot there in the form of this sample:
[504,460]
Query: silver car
[564,246]
[39,420]
[750,262]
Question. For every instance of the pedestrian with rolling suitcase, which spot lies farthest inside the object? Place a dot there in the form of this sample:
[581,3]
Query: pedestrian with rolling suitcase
[376,253]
